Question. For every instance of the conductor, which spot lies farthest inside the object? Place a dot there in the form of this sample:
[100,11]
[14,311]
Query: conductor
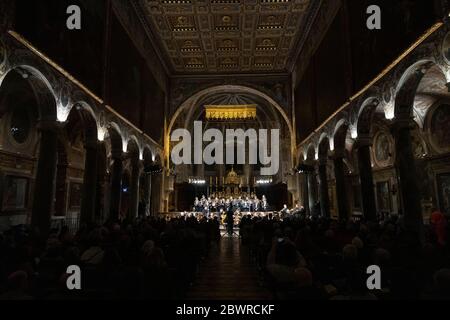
[230,221]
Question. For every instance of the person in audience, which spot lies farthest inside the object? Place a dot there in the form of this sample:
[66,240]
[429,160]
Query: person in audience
[296,258]
[439,224]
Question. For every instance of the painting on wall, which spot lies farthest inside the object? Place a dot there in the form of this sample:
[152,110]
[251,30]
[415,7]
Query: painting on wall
[443,183]
[75,195]
[15,193]
[384,196]
[440,127]
[382,149]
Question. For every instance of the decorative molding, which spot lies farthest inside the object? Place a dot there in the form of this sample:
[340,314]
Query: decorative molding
[230,112]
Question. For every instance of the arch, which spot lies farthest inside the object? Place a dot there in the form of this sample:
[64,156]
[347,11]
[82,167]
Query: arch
[147,155]
[42,90]
[133,145]
[324,147]
[88,120]
[220,89]
[432,88]
[407,86]
[113,132]
[365,115]
[311,152]
[340,135]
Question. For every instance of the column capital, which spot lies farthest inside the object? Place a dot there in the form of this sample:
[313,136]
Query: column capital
[49,125]
[323,161]
[402,123]
[91,144]
[338,154]
[363,141]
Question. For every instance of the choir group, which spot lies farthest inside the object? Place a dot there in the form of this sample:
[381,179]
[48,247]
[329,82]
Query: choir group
[245,203]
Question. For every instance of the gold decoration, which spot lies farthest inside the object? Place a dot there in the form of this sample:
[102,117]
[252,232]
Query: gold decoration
[230,112]
[232,178]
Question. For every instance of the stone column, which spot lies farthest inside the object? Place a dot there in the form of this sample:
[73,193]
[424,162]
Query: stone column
[305,180]
[88,199]
[116,187]
[324,197]
[44,190]
[407,176]
[366,178]
[100,207]
[341,192]
[135,175]
[156,193]
[147,192]
[312,190]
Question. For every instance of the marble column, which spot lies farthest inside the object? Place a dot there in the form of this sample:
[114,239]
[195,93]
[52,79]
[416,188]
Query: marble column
[341,192]
[134,188]
[44,189]
[116,187]
[324,197]
[407,176]
[366,178]
[88,198]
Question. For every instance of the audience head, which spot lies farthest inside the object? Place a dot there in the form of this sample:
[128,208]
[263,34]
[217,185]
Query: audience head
[350,253]
[304,277]
[441,281]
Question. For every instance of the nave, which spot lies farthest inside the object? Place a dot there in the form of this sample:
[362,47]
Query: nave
[228,273]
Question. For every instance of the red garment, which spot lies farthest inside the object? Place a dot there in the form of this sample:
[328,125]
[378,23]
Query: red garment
[439,223]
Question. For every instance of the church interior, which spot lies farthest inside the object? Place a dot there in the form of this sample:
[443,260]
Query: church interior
[88,115]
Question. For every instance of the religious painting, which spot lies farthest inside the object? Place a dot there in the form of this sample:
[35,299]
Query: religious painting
[15,193]
[382,149]
[75,195]
[384,196]
[440,127]
[443,182]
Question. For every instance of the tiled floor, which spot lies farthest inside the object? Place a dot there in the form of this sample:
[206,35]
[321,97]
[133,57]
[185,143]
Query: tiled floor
[227,274]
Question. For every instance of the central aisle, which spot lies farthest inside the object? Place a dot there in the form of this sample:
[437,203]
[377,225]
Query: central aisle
[227,274]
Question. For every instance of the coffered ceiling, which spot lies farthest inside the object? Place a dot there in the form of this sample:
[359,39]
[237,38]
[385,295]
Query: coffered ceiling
[226,36]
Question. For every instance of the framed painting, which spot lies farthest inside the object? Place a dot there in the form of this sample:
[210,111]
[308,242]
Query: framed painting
[75,195]
[384,196]
[15,194]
